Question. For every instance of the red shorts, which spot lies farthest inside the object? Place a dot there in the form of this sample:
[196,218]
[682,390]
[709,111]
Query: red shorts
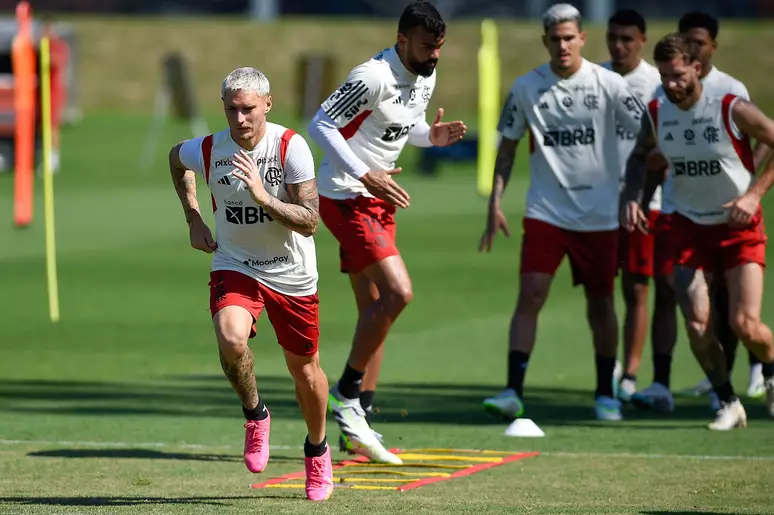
[664,253]
[638,249]
[718,247]
[295,319]
[364,228]
[593,255]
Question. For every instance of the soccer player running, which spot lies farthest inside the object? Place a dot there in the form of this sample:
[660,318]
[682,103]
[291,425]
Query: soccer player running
[626,35]
[717,221]
[571,108]
[363,127]
[703,30]
[264,196]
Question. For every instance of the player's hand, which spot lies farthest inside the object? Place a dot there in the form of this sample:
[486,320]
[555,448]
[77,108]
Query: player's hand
[633,217]
[496,221]
[742,209]
[381,185]
[446,133]
[247,171]
[201,236]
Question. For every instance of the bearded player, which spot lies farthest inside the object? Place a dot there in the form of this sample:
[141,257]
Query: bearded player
[363,127]
[703,29]
[264,197]
[717,221]
[570,108]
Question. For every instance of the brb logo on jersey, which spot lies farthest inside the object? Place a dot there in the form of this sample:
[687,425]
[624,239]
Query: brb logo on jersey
[569,138]
[396,132]
[699,168]
[238,214]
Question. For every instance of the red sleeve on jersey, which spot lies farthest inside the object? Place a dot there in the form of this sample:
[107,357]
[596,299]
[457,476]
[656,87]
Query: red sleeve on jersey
[653,109]
[351,128]
[742,146]
[207,158]
[284,143]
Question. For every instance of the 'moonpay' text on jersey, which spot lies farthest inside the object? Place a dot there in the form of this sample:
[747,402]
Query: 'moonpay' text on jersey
[711,161]
[643,81]
[249,240]
[375,108]
[575,166]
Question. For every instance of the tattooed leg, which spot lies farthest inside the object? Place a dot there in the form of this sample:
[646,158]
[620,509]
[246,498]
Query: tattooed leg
[693,298]
[232,328]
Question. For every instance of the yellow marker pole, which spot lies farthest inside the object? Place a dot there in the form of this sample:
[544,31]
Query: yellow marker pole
[48,179]
[488,105]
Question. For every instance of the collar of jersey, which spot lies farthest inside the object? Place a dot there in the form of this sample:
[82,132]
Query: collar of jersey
[396,64]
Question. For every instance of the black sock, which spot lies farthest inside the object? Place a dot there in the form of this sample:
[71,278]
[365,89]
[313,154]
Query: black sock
[314,451]
[257,413]
[349,384]
[753,358]
[605,370]
[768,370]
[725,392]
[367,403]
[630,377]
[517,367]
[662,369]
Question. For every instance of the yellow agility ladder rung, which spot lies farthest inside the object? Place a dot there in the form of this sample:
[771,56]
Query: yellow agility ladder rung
[462,451]
[393,473]
[354,487]
[372,480]
[409,465]
[440,457]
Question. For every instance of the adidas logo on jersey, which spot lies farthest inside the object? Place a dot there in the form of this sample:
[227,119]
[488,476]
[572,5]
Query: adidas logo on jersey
[225,181]
[669,137]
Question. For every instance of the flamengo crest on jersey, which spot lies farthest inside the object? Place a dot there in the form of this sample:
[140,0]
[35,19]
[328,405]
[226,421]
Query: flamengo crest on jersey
[249,240]
[710,159]
[575,166]
[644,81]
[374,109]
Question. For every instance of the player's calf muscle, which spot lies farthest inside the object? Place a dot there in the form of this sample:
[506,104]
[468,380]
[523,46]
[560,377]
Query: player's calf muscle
[240,373]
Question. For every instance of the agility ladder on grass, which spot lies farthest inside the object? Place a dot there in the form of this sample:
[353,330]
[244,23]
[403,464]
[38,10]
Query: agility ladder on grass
[454,463]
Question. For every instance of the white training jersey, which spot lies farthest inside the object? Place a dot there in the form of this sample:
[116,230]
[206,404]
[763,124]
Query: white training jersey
[715,83]
[643,81]
[374,109]
[710,160]
[249,240]
[574,163]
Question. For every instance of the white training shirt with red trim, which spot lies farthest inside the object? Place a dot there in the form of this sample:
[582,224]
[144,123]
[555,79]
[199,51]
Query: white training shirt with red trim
[374,109]
[575,167]
[643,80]
[249,240]
[711,160]
[715,83]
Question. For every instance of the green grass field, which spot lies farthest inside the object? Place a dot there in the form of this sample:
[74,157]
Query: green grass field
[121,406]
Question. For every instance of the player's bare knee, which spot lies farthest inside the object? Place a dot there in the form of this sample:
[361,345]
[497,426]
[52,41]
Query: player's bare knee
[531,298]
[398,297]
[745,327]
[232,337]
[696,329]
[635,291]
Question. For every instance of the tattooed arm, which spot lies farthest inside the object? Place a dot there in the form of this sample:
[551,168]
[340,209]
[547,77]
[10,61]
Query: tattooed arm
[185,160]
[184,180]
[632,215]
[301,212]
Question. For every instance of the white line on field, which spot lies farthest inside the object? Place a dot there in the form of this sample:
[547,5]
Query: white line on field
[556,454]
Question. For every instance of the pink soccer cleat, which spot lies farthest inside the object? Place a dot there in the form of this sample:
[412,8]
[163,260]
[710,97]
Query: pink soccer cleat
[319,476]
[257,444]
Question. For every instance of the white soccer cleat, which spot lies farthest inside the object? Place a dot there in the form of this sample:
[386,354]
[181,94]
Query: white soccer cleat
[769,386]
[607,408]
[506,405]
[355,431]
[617,376]
[656,397]
[730,416]
[756,388]
[626,388]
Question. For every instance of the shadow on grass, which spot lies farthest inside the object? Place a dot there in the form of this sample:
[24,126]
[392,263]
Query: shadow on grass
[123,501]
[416,403]
[686,513]
[148,454]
